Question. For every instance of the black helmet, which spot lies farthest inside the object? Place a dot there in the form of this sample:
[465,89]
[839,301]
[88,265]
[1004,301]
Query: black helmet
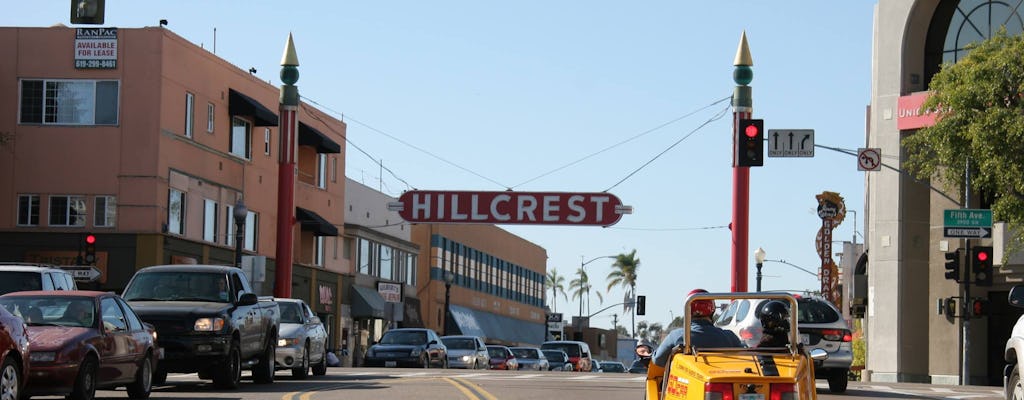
[774,316]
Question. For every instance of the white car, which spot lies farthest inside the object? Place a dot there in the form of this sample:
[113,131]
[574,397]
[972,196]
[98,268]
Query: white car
[466,352]
[301,340]
[1012,384]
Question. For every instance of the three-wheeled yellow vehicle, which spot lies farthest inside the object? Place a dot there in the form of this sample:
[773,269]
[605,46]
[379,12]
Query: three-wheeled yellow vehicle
[743,373]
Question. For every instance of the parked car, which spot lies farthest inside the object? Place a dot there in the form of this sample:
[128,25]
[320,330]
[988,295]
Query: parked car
[415,347]
[613,367]
[501,357]
[530,358]
[820,325]
[1014,354]
[595,366]
[557,360]
[579,352]
[81,341]
[14,355]
[27,276]
[466,352]
[302,340]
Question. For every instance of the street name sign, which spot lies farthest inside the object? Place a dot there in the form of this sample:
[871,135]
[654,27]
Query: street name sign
[508,207]
[967,223]
[791,143]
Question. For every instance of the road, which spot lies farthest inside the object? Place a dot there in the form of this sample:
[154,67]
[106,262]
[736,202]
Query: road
[394,384]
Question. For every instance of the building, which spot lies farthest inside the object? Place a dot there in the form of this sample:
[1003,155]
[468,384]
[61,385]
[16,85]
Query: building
[907,339]
[148,142]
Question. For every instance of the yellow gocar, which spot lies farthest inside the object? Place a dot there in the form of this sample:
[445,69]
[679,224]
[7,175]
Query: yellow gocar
[757,373]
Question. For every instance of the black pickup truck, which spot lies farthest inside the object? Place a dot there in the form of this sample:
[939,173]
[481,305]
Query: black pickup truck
[208,320]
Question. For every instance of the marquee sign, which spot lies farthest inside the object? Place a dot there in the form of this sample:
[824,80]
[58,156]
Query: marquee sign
[539,208]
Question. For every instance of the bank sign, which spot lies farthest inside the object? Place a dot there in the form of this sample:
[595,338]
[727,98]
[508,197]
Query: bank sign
[539,208]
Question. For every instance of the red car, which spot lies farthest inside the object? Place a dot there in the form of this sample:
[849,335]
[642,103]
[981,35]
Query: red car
[80,341]
[14,353]
[502,358]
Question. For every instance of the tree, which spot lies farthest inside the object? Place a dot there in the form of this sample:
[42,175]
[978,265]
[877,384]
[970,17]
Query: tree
[580,286]
[979,128]
[624,274]
[556,283]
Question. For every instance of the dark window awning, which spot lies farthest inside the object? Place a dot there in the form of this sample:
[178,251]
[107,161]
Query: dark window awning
[242,105]
[312,221]
[366,303]
[491,326]
[309,136]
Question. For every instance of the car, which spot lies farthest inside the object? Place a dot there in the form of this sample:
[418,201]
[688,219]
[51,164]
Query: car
[613,367]
[821,326]
[530,358]
[14,355]
[29,276]
[81,341]
[502,358]
[741,372]
[413,347]
[557,360]
[1013,387]
[466,352]
[579,352]
[595,366]
[302,340]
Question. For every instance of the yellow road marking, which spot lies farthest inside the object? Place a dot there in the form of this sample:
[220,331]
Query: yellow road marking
[476,388]
[469,389]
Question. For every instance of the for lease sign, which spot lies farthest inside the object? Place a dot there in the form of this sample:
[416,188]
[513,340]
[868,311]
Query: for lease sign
[552,208]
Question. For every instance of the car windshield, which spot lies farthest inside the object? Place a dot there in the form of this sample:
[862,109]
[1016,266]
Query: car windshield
[571,349]
[554,355]
[459,343]
[291,312]
[612,367]
[52,310]
[15,281]
[404,337]
[816,312]
[178,286]
[525,353]
[495,352]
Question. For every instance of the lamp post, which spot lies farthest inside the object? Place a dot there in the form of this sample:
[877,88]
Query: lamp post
[759,255]
[239,213]
[448,278]
[583,270]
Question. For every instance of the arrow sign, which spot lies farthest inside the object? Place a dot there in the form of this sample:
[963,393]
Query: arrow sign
[791,143]
[980,233]
[83,273]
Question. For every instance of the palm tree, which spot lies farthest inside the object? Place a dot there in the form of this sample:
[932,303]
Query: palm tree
[580,287]
[600,298]
[556,283]
[624,274]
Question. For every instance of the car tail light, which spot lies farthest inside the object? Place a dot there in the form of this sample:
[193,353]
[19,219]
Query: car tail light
[836,335]
[782,391]
[717,391]
[749,333]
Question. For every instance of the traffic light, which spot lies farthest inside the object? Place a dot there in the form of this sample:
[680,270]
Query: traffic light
[90,249]
[87,12]
[981,265]
[641,305]
[979,307]
[750,143]
[953,265]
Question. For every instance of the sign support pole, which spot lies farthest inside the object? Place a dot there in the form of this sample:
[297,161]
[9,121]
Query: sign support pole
[743,108]
[289,127]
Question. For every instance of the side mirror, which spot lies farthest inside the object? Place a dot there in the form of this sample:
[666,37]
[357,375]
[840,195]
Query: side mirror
[247,299]
[1016,297]
[314,320]
[431,342]
[819,355]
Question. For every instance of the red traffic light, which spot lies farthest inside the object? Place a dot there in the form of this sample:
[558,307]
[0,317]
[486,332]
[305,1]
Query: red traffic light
[982,255]
[751,131]
[90,239]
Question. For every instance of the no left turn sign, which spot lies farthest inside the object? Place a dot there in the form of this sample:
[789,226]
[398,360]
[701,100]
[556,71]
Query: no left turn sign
[869,159]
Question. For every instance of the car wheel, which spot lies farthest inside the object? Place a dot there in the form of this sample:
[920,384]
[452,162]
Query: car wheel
[85,382]
[143,385]
[263,371]
[837,380]
[320,368]
[302,371]
[1014,388]
[229,375]
[10,380]
[444,362]
[160,376]
[425,360]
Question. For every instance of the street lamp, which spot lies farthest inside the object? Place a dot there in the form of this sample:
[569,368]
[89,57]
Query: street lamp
[448,278]
[583,271]
[759,259]
[239,212]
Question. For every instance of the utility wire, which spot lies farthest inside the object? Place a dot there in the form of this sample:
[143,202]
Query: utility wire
[670,229]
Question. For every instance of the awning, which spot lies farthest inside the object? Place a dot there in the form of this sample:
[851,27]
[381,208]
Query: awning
[309,136]
[240,104]
[312,221]
[496,327]
[366,303]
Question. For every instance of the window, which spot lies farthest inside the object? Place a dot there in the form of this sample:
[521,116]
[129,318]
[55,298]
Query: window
[113,318]
[321,171]
[363,257]
[190,100]
[266,141]
[210,220]
[67,211]
[28,210]
[241,137]
[106,211]
[69,102]
[385,262]
[334,169]
[209,117]
[176,212]
[318,250]
[250,231]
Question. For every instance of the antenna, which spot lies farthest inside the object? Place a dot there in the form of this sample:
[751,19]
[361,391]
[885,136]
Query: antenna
[215,40]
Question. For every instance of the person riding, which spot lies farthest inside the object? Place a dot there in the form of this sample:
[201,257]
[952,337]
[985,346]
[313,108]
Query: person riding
[774,317]
[703,332]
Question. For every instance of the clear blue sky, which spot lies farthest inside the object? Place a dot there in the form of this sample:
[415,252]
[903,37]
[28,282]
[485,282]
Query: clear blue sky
[514,90]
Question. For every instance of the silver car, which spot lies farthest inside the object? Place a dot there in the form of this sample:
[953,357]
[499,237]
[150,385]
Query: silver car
[531,358]
[466,352]
[302,340]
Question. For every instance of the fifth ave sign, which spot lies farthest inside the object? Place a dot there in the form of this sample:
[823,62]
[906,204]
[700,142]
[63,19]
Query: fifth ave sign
[540,208]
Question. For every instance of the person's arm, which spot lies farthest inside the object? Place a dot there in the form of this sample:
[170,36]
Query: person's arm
[661,355]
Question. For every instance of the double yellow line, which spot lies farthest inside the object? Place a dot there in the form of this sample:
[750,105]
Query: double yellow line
[471,390]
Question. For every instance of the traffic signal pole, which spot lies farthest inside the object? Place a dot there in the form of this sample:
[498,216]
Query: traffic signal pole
[743,108]
[965,326]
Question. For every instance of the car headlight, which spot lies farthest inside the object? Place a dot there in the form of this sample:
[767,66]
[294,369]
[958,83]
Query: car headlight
[416,352]
[153,334]
[209,324]
[466,358]
[43,356]
[285,342]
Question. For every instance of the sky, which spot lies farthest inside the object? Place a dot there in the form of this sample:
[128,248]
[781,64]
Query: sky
[573,96]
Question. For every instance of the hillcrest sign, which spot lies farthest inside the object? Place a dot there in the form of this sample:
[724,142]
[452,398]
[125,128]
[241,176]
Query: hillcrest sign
[537,208]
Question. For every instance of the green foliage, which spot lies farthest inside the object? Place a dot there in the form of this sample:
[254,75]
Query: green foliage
[980,107]
[860,349]
[624,271]
[556,283]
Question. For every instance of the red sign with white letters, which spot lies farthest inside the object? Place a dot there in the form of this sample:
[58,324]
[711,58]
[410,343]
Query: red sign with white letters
[540,208]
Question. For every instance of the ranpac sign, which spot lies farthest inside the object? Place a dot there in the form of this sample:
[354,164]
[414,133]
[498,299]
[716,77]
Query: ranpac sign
[539,208]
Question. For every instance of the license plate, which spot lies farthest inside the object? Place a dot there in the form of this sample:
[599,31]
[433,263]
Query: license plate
[391,364]
[805,338]
[751,396]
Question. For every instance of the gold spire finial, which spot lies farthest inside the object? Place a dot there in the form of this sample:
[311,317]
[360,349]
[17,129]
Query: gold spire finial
[290,58]
[743,53]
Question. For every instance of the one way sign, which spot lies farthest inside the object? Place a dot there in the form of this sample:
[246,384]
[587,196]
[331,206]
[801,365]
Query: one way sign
[791,143]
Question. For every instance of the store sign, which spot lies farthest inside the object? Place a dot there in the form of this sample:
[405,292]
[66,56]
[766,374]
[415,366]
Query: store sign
[390,292]
[96,48]
[909,114]
[326,295]
[539,208]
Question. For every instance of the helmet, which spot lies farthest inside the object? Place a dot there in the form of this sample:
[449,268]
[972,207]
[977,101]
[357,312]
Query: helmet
[701,308]
[774,316]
